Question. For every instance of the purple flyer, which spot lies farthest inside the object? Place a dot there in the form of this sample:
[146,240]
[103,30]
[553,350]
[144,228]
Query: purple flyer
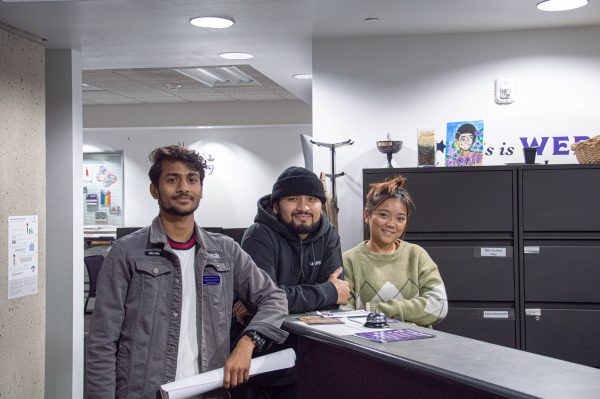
[383,336]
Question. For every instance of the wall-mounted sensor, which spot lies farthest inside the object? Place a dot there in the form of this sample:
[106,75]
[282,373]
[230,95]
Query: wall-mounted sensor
[504,91]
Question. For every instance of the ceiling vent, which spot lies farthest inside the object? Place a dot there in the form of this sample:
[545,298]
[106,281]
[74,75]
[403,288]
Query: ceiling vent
[220,76]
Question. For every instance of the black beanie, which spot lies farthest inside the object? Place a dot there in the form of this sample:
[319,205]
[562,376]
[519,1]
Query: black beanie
[297,181]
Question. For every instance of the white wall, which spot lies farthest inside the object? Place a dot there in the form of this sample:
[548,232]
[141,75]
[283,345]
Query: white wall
[365,87]
[247,163]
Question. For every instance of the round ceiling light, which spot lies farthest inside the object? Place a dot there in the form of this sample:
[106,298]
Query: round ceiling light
[236,56]
[561,5]
[212,22]
[302,76]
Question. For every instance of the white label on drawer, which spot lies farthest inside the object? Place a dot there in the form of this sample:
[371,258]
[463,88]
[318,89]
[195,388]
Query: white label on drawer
[531,250]
[533,312]
[495,314]
[493,252]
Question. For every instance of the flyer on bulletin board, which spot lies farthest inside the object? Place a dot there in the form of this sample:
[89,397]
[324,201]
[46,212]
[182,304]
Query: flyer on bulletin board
[22,256]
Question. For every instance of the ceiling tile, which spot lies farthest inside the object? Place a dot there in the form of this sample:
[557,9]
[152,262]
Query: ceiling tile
[257,97]
[99,95]
[211,99]
[127,86]
[243,90]
[150,75]
[101,75]
[162,100]
[206,91]
[121,100]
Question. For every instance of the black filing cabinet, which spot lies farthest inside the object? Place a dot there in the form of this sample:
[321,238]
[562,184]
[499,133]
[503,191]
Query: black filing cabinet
[465,218]
[560,210]
[518,248]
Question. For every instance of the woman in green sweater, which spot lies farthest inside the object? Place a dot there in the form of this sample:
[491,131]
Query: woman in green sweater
[389,274]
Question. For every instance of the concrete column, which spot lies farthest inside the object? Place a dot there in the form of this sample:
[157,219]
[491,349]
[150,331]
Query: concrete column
[22,193]
[64,199]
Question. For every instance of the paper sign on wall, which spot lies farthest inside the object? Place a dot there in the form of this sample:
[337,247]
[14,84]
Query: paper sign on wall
[23,263]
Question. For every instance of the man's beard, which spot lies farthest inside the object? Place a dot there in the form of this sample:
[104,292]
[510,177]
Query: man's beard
[171,210]
[299,228]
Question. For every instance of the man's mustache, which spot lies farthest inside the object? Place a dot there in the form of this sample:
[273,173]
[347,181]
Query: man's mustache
[301,213]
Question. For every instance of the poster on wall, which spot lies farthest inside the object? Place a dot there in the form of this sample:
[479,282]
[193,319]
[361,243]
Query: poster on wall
[103,192]
[464,143]
[106,176]
[22,256]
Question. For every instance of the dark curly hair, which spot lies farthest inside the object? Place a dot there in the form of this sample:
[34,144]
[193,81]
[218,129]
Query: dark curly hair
[191,158]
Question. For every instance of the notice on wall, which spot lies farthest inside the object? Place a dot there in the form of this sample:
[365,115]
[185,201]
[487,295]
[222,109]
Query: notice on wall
[22,256]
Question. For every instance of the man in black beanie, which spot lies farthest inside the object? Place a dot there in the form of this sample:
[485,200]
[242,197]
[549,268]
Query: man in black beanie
[294,243]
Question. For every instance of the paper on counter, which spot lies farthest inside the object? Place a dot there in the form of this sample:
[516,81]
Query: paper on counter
[352,322]
[211,380]
[320,320]
[353,313]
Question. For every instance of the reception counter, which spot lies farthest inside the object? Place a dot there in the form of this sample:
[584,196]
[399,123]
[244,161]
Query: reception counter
[333,365]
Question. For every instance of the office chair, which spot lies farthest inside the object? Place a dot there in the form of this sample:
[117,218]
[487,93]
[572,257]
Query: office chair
[93,264]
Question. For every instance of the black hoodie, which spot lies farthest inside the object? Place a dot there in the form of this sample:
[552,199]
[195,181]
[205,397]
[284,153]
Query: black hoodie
[299,267]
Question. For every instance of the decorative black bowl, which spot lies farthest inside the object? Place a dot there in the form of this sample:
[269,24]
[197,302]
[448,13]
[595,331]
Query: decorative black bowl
[389,147]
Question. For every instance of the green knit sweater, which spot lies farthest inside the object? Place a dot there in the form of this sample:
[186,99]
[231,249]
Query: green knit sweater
[405,285]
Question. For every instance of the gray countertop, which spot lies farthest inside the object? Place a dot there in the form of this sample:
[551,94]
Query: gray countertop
[497,369]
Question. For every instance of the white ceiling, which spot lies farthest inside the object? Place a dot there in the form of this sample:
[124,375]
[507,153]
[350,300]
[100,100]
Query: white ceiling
[123,34]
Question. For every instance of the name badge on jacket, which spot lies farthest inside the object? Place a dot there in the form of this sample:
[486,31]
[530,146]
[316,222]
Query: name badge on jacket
[211,280]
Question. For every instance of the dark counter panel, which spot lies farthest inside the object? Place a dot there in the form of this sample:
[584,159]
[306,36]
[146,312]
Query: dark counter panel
[451,200]
[562,273]
[561,199]
[445,366]
[345,374]
[570,334]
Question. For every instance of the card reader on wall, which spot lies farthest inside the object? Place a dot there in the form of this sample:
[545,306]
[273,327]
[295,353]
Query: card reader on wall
[504,91]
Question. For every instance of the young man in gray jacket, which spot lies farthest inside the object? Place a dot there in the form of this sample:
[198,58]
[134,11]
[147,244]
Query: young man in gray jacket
[164,297]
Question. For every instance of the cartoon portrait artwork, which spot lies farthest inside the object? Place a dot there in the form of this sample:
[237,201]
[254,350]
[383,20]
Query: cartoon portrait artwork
[464,143]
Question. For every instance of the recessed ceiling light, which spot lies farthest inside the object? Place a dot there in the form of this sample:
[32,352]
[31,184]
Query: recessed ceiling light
[236,56]
[561,5]
[302,76]
[174,86]
[212,22]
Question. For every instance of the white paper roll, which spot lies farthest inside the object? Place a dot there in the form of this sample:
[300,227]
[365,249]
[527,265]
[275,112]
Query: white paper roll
[211,380]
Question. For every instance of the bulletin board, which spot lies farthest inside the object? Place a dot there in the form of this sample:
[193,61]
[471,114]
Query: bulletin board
[103,188]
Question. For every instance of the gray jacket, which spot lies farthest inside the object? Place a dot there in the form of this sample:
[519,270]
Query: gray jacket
[134,332]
